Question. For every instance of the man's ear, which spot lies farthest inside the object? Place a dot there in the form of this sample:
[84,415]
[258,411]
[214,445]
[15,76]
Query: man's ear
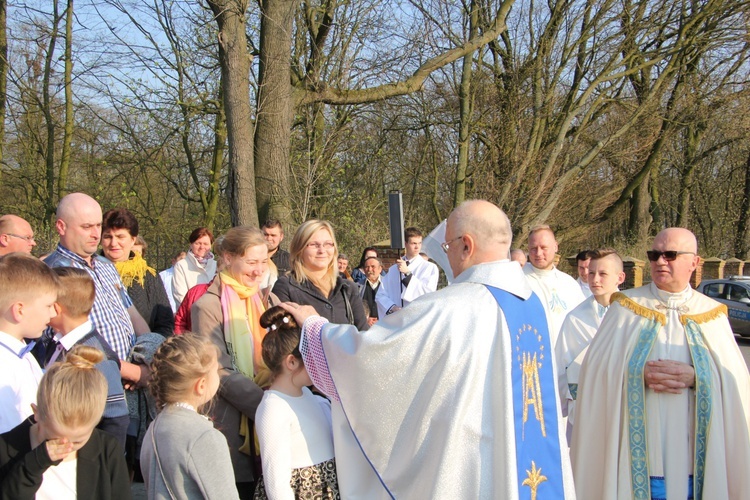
[469,245]
[60,226]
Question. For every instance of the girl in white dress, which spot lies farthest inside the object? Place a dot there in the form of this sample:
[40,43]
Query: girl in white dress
[293,425]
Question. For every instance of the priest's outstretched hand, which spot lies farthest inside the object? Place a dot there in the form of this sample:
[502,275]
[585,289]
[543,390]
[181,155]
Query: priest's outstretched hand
[669,376]
[300,313]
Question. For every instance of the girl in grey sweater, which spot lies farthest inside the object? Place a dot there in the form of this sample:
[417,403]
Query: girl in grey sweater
[183,456]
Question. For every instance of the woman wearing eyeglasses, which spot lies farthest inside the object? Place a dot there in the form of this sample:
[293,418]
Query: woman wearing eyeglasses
[314,277]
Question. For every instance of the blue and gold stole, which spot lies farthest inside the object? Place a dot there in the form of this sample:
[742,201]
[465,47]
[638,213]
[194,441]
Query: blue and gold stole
[644,486]
[538,454]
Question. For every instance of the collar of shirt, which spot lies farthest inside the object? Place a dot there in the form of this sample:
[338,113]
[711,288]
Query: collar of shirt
[74,256]
[69,339]
[374,285]
[14,345]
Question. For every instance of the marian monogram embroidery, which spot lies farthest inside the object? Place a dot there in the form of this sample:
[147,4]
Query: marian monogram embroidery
[531,363]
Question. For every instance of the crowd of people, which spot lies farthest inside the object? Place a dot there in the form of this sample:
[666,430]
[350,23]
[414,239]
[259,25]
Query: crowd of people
[246,371]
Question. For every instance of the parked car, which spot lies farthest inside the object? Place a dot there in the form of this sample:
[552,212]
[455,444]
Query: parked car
[735,293]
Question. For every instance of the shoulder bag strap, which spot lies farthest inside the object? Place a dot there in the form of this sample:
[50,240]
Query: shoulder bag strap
[158,460]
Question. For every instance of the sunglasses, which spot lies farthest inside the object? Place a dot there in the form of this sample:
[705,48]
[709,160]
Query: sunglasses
[669,255]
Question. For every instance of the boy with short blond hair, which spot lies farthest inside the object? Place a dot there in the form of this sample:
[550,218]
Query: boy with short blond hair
[72,327]
[28,290]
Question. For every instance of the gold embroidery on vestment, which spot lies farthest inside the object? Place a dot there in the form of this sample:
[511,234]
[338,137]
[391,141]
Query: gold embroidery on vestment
[716,312]
[534,479]
[639,309]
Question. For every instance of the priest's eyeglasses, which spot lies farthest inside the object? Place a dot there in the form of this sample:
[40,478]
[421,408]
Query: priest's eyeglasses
[669,255]
[446,245]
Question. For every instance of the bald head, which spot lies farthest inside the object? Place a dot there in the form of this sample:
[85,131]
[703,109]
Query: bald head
[79,224]
[683,238]
[482,233]
[16,235]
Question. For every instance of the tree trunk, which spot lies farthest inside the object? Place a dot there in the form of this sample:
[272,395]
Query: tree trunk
[217,162]
[742,238]
[3,74]
[235,82]
[465,111]
[49,155]
[275,112]
[639,219]
[62,178]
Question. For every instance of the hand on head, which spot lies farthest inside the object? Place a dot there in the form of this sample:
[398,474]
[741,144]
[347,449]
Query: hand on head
[300,313]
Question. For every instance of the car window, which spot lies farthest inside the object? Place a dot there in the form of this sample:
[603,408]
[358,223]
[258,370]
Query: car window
[715,290]
[737,292]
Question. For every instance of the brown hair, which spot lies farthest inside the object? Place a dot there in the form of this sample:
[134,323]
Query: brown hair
[178,363]
[271,223]
[299,243]
[120,218]
[600,253]
[73,392]
[76,293]
[412,232]
[282,338]
[23,277]
[199,233]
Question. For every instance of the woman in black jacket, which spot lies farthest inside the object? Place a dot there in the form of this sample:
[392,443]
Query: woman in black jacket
[314,278]
[145,288]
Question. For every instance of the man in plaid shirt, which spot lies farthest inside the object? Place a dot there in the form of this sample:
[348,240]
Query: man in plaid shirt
[79,224]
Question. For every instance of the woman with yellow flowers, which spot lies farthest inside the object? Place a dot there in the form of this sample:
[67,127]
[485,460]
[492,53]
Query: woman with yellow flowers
[145,288]
[229,314]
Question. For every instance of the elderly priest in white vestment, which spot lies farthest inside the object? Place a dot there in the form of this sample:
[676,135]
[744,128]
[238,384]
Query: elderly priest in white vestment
[454,396]
[664,393]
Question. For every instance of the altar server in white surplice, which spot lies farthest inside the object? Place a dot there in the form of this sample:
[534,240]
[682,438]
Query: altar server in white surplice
[558,291]
[605,275]
[408,279]
[424,402]
[664,393]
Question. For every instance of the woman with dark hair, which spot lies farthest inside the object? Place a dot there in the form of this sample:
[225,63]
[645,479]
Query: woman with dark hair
[199,267]
[119,233]
[314,277]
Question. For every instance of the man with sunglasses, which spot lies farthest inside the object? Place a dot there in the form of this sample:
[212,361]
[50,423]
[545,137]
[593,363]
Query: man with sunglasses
[664,393]
[16,235]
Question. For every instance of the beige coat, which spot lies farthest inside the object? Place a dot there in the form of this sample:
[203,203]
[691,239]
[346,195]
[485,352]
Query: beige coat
[237,394]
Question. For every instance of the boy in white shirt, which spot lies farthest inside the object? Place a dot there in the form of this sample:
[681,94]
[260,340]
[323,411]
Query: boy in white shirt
[28,290]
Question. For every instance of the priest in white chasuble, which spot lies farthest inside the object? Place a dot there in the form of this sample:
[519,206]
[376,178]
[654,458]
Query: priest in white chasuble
[453,397]
[664,393]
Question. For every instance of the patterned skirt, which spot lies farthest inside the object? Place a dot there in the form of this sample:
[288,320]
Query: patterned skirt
[316,482]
